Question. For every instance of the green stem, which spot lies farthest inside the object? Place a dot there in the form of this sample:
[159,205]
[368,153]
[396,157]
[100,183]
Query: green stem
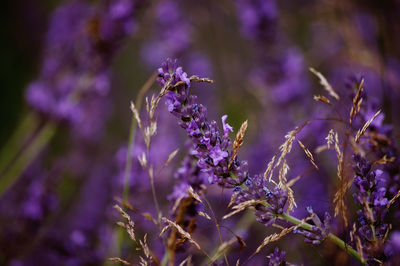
[166,258]
[15,144]
[339,242]
[132,134]
[27,156]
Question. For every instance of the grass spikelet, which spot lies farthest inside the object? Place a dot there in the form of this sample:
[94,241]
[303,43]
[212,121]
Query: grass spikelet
[359,246]
[182,232]
[357,100]
[340,206]
[308,154]
[164,229]
[394,199]
[268,172]
[242,206]
[275,237]
[293,181]
[145,247]
[321,148]
[136,114]
[385,160]
[119,260]
[194,195]
[324,82]
[361,131]
[238,142]
[142,160]
[149,217]
[233,199]
[329,138]
[205,215]
[323,99]
[187,261]
[171,156]
[143,262]
[284,150]
[129,225]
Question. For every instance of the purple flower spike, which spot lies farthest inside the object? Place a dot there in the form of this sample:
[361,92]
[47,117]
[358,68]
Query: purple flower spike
[210,144]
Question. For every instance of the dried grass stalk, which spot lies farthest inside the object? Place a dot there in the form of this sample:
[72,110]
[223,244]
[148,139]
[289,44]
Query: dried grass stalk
[142,160]
[268,172]
[308,154]
[129,225]
[136,114]
[361,131]
[357,100]
[324,82]
[194,194]
[340,206]
[385,160]
[182,232]
[242,206]
[394,198]
[323,99]
[119,260]
[205,215]
[330,138]
[171,156]
[233,199]
[188,261]
[275,237]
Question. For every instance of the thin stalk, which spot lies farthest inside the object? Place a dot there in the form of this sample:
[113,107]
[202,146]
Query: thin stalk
[26,158]
[128,166]
[132,134]
[339,242]
[17,141]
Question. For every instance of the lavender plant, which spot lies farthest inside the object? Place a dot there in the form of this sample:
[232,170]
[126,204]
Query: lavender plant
[184,194]
[210,159]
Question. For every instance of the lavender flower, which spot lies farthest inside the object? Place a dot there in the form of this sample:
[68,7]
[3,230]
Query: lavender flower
[371,196]
[257,189]
[319,231]
[276,258]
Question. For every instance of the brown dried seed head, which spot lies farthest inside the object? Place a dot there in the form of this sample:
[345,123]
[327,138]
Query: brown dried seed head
[308,154]
[238,142]
[182,232]
[357,100]
[119,260]
[320,98]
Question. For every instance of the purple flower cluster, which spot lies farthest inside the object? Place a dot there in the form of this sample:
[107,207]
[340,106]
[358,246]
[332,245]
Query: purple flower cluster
[371,196]
[188,175]
[319,231]
[257,189]
[276,258]
[210,145]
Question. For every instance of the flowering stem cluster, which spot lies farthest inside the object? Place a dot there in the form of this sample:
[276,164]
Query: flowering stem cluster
[210,146]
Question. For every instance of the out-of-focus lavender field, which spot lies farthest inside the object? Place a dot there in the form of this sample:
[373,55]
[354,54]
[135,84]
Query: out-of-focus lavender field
[181,132]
